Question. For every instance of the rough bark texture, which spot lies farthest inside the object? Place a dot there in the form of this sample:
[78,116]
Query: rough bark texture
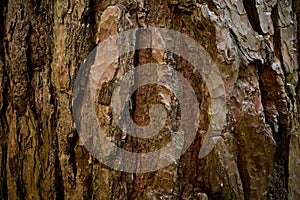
[255,45]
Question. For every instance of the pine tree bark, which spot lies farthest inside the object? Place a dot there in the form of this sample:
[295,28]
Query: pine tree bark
[255,45]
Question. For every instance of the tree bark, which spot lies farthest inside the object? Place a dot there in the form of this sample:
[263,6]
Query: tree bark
[255,45]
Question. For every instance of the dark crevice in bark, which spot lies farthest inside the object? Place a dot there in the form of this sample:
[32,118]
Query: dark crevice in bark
[135,64]
[250,7]
[280,176]
[91,19]
[37,4]
[58,187]
[279,180]
[3,107]
[72,141]
[3,161]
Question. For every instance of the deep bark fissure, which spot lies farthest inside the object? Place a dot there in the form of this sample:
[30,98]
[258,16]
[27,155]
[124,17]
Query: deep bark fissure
[3,106]
[58,185]
[280,176]
[251,10]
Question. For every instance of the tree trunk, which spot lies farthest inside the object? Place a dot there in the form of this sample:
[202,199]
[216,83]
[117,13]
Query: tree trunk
[255,47]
